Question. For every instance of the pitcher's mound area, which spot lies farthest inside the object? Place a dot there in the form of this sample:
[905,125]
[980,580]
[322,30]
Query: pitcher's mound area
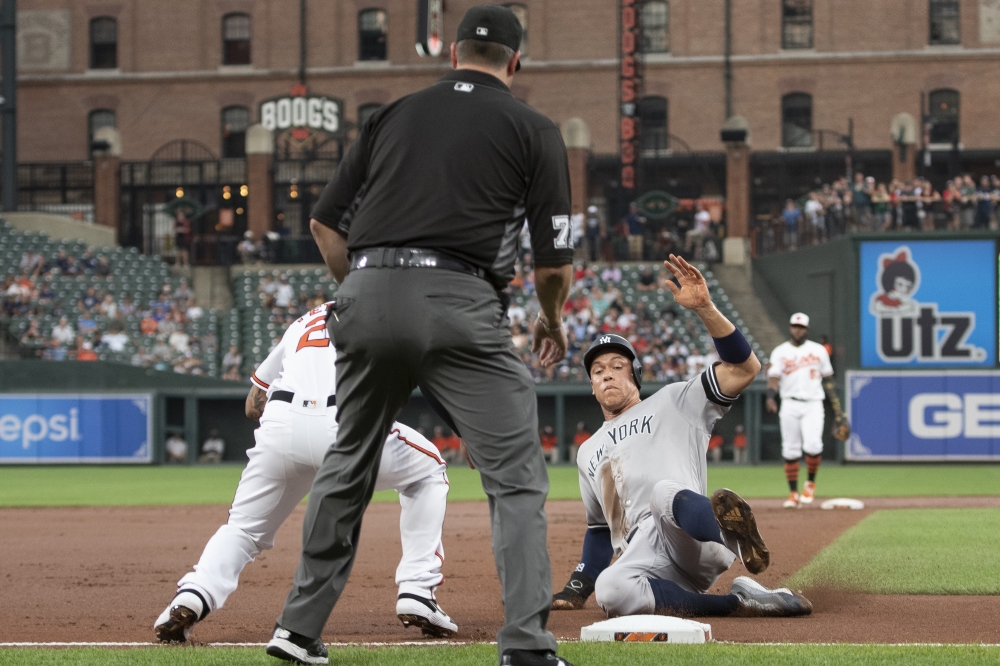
[104,574]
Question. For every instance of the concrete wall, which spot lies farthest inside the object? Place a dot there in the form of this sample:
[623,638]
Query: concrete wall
[59,227]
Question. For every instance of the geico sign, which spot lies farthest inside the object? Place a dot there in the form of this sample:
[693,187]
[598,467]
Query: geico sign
[315,112]
[948,415]
[36,428]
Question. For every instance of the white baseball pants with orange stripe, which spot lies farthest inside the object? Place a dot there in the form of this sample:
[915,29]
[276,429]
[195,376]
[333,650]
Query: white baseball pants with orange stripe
[291,445]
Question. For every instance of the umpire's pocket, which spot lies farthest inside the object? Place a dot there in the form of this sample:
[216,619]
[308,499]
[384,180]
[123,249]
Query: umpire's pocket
[336,315]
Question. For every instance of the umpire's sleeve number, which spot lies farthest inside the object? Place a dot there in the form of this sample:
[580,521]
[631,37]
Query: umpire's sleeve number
[561,224]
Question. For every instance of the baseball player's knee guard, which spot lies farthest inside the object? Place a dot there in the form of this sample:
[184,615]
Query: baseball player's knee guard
[618,594]
[661,500]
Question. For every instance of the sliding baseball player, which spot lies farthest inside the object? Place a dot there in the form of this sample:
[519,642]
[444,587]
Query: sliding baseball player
[293,397]
[643,478]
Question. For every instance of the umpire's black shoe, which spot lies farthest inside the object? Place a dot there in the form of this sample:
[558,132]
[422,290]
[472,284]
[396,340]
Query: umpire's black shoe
[532,658]
[739,530]
[299,649]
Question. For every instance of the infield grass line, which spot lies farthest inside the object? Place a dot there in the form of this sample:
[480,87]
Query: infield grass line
[215,484]
[912,551]
[589,654]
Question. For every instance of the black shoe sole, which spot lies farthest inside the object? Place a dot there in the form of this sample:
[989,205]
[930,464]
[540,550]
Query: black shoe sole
[736,518]
[429,629]
[172,631]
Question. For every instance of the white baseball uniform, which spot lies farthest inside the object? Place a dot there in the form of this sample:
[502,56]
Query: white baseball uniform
[292,441]
[800,371]
[630,471]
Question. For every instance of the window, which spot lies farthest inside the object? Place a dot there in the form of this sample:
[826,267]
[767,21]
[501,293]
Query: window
[796,120]
[521,12]
[373,25]
[653,124]
[235,120]
[656,27]
[796,24]
[944,22]
[236,39]
[365,112]
[97,119]
[103,43]
[943,116]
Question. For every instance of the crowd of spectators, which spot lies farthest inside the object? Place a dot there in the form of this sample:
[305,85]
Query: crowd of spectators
[865,205]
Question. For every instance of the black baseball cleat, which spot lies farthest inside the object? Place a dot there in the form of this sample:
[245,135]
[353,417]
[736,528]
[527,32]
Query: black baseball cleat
[532,658]
[739,530]
[296,648]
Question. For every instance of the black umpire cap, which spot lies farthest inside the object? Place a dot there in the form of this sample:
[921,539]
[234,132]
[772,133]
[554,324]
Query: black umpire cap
[609,343]
[492,23]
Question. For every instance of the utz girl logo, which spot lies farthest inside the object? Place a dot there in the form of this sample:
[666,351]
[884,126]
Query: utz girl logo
[909,330]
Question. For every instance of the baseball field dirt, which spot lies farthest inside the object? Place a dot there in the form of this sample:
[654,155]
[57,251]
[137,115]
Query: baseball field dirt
[104,573]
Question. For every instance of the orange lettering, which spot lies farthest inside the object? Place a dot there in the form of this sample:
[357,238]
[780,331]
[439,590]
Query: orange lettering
[628,129]
[317,325]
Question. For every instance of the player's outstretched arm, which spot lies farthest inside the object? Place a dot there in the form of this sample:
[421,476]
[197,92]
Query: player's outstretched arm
[739,366]
[597,554]
[333,246]
[256,400]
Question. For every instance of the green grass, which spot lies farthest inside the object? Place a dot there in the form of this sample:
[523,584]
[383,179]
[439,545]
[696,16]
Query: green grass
[126,485]
[584,654]
[912,551]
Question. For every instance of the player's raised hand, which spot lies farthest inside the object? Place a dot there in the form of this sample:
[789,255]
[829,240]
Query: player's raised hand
[693,290]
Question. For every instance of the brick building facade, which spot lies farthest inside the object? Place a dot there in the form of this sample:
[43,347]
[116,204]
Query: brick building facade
[801,72]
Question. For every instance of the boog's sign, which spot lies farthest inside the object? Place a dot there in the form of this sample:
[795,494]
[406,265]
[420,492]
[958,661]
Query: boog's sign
[924,415]
[318,113]
[928,304]
[75,428]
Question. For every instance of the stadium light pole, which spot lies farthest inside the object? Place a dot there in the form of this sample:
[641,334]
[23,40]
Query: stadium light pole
[8,104]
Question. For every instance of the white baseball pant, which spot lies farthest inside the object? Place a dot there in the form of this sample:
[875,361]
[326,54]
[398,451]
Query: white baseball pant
[801,428]
[291,445]
[660,548]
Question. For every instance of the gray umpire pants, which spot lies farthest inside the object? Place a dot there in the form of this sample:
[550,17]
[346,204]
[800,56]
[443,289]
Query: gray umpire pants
[395,328]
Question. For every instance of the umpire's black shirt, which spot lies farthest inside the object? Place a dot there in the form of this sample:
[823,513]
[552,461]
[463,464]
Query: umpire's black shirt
[456,167]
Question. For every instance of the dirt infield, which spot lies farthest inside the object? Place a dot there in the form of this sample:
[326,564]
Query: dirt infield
[104,574]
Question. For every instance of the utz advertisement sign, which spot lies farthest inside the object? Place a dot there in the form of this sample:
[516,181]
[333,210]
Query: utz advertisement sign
[75,429]
[924,415]
[928,304]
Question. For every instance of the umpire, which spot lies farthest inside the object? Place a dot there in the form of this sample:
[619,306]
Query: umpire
[425,212]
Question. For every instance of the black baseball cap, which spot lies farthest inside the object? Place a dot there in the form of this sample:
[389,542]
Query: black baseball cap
[492,23]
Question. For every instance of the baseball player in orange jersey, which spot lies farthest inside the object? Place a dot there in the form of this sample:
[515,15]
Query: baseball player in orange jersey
[801,373]
[293,396]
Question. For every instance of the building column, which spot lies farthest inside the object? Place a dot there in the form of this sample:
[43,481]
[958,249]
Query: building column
[260,180]
[904,162]
[736,136]
[107,149]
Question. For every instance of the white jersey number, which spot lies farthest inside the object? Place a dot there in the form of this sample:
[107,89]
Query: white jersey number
[561,224]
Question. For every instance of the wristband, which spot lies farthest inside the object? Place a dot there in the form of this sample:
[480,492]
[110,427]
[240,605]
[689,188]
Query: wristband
[548,326]
[580,583]
[733,348]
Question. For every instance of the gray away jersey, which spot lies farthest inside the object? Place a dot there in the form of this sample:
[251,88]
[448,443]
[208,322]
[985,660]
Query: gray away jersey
[664,437]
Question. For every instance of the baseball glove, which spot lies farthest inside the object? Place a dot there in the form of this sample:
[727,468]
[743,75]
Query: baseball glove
[841,428]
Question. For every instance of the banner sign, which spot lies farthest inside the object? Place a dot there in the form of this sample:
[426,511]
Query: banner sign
[928,304]
[430,27]
[75,429]
[629,90]
[923,415]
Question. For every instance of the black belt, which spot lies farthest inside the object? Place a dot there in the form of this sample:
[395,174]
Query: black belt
[404,257]
[287,396]
[802,399]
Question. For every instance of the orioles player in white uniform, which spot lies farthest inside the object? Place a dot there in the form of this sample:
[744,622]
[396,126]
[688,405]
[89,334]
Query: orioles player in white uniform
[799,371]
[298,424]
[643,479]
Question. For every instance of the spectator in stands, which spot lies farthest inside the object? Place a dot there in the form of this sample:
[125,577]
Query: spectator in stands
[45,294]
[115,339]
[32,336]
[54,351]
[90,298]
[740,446]
[183,292]
[108,307]
[283,294]
[84,350]
[148,325]
[550,444]
[579,437]
[63,332]
[791,217]
[179,340]
[814,216]
[168,325]
[176,449]
[647,280]
[232,359]
[103,268]
[247,249]
[63,262]
[233,374]
[87,262]
[636,223]
[213,448]
[32,263]
[715,443]
[194,311]
[861,198]
[85,323]
[318,298]
[697,236]
[967,205]
[984,204]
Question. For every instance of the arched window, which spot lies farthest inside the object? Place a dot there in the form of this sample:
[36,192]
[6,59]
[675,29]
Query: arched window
[97,119]
[943,114]
[103,43]
[796,24]
[236,39]
[796,120]
[944,25]
[365,112]
[235,120]
[521,12]
[653,124]
[656,27]
[373,28]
